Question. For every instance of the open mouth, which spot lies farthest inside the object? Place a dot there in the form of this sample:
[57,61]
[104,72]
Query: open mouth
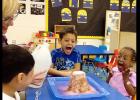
[120,63]
[68,50]
[121,66]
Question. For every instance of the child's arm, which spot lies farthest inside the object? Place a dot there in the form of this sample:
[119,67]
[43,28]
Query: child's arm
[110,73]
[109,76]
[128,86]
[76,67]
[53,71]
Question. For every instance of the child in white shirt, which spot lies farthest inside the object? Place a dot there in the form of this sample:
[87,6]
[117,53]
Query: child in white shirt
[17,72]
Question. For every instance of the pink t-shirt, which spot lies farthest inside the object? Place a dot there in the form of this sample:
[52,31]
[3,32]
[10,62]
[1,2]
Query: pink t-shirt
[116,81]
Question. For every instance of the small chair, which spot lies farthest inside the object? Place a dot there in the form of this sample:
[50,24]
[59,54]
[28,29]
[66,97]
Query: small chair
[100,72]
[112,63]
[100,58]
[103,65]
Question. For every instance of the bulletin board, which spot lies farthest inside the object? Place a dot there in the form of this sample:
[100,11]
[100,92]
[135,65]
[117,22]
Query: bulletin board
[91,14]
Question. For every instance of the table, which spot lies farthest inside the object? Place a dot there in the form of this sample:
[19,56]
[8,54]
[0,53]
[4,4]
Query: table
[46,93]
[92,50]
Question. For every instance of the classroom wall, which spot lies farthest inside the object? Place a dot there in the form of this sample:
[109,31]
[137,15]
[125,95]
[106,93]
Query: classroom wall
[127,39]
[22,32]
[24,27]
[26,24]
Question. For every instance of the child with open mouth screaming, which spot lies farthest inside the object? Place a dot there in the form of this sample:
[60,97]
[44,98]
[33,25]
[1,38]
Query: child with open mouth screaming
[123,77]
[65,59]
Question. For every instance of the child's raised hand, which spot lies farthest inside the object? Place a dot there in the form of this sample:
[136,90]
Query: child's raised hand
[126,74]
[109,67]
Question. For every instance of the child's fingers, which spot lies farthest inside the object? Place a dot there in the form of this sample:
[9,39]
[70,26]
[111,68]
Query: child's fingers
[127,70]
[109,67]
[42,72]
[36,82]
[38,78]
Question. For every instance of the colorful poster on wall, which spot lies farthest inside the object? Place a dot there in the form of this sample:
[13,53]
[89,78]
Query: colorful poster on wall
[56,3]
[114,4]
[82,16]
[74,3]
[22,8]
[37,9]
[66,14]
[125,6]
[88,4]
[133,8]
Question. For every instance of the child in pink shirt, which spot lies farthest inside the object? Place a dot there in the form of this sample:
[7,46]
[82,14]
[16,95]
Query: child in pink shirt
[123,77]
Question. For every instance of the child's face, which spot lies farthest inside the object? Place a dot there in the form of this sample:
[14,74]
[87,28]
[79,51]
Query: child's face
[68,42]
[125,60]
[27,79]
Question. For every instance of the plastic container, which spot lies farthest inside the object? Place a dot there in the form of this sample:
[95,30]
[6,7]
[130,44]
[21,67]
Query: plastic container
[85,67]
[91,69]
[43,61]
[56,82]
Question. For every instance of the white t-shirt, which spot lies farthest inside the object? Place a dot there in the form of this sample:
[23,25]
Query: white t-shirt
[7,97]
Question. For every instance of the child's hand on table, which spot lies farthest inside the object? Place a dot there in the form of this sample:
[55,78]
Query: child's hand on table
[67,73]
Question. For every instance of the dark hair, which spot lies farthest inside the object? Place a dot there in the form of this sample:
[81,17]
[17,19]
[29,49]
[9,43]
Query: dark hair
[69,30]
[15,59]
[133,52]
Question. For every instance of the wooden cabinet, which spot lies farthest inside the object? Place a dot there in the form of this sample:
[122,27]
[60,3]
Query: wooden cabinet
[58,28]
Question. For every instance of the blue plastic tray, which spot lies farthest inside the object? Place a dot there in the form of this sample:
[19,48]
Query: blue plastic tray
[56,82]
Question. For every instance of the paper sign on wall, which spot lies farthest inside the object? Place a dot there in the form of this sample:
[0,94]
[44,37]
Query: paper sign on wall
[88,4]
[133,9]
[125,6]
[114,4]
[82,16]
[66,14]
[74,3]
[56,3]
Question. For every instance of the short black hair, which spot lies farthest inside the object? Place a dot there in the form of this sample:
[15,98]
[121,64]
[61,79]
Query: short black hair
[68,30]
[15,59]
